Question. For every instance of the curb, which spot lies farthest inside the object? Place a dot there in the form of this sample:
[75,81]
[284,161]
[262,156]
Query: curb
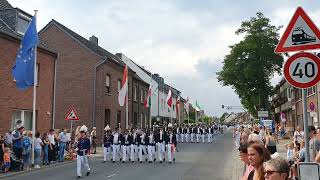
[12,174]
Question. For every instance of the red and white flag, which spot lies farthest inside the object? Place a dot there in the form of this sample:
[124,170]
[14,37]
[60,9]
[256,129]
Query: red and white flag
[187,105]
[169,99]
[124,87]
[177,105]
[147,101]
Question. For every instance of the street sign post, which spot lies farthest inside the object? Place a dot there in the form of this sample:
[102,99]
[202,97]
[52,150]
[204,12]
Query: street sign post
[300,34]
[72,116]
[263,114]
[302,69]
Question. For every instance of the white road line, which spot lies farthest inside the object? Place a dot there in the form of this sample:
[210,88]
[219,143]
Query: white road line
[111,175]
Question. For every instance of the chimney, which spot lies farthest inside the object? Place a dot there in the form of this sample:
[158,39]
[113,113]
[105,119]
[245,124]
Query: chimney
[94,40]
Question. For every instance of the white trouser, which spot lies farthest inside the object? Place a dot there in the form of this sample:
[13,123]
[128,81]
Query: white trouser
[203,136]
[182,137]
[192,137]
[209,137]
[115,152]
[237,141]
[151,152]
[82,160]
[142,148]
[132,152]
[161,150]
[177,137]
[106,153]
[125,152]
[198,137]
[187,137]
[170,150]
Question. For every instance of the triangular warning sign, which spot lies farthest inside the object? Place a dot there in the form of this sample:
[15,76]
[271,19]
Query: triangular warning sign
[72,115]
[301,34]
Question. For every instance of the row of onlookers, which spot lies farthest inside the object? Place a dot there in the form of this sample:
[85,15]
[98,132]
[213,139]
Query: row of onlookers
[258,151]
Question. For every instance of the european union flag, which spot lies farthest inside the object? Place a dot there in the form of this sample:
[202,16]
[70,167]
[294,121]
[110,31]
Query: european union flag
[23,70]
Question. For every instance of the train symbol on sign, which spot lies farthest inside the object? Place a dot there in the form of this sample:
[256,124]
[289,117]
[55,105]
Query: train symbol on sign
[299,36]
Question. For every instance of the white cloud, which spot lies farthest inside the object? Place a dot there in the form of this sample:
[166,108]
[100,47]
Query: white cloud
[183,41]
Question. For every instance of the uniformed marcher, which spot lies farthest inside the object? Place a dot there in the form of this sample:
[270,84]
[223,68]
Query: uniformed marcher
[142,145]
[83,150]
[116,145]
[151,146]
[160,140]
[107,141]
[171,143]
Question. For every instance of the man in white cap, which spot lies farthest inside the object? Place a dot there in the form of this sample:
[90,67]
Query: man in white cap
[107,141]
[83,149]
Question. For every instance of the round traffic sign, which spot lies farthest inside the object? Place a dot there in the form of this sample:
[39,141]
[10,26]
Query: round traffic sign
[302,70]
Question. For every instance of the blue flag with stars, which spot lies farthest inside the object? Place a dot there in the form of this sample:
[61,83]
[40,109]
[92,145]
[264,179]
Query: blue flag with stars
[23,70]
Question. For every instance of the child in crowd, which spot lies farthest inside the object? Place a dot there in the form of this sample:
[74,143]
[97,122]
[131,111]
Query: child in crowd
[6,159]
[290,153]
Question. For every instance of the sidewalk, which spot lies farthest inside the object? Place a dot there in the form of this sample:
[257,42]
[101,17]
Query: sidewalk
[10,174]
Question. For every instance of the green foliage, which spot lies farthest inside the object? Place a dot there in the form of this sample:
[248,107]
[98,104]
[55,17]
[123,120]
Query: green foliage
[252,62]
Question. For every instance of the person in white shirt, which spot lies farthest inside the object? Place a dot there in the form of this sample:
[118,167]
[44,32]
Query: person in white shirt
[298,137]
[53,149]
[37,150]
[116,145]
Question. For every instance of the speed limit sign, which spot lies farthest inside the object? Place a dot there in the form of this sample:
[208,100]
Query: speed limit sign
[302,70]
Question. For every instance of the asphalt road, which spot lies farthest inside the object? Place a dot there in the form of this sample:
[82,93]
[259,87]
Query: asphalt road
[193,162]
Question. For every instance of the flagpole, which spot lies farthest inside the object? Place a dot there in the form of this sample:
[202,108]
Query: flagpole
[35,82]
[127,111]
[150,119]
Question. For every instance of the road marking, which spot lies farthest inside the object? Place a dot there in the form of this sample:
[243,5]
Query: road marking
[111,175]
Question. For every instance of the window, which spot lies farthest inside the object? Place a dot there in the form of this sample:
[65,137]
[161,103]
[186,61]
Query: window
[135,119]
[161,104]
[141,120]
[108,83]
[173,107]
[22,24]
[119,85]
[311,90]
[135,93]
[141,95]
[118,118]
[24,116]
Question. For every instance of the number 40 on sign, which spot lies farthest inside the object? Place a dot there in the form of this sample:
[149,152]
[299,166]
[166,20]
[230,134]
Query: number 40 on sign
[301,70]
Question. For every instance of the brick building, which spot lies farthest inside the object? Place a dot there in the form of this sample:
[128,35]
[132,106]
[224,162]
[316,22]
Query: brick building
[88,78]
[16,104]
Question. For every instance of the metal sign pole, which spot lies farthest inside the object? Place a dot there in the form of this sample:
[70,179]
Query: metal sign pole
[305,120]
[71,130]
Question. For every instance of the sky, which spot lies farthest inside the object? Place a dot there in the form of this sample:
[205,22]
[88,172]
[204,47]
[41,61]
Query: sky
[183,41]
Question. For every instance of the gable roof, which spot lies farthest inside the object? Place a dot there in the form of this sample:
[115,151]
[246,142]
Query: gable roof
[88,44]
[4,4]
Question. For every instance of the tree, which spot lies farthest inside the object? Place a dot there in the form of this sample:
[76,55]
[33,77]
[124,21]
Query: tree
[252,62]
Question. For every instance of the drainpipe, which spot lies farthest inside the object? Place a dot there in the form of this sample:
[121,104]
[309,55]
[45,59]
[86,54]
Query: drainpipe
[54,93]
[94,93]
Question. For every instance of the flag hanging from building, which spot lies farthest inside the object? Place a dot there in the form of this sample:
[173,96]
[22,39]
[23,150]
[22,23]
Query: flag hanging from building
[147,101]
[124,88]
[197,107]
[23,70]
[169,99]
[177,106]
[187,104]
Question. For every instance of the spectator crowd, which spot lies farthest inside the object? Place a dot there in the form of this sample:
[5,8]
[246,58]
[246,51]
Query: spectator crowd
[49,147]
[258,151]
